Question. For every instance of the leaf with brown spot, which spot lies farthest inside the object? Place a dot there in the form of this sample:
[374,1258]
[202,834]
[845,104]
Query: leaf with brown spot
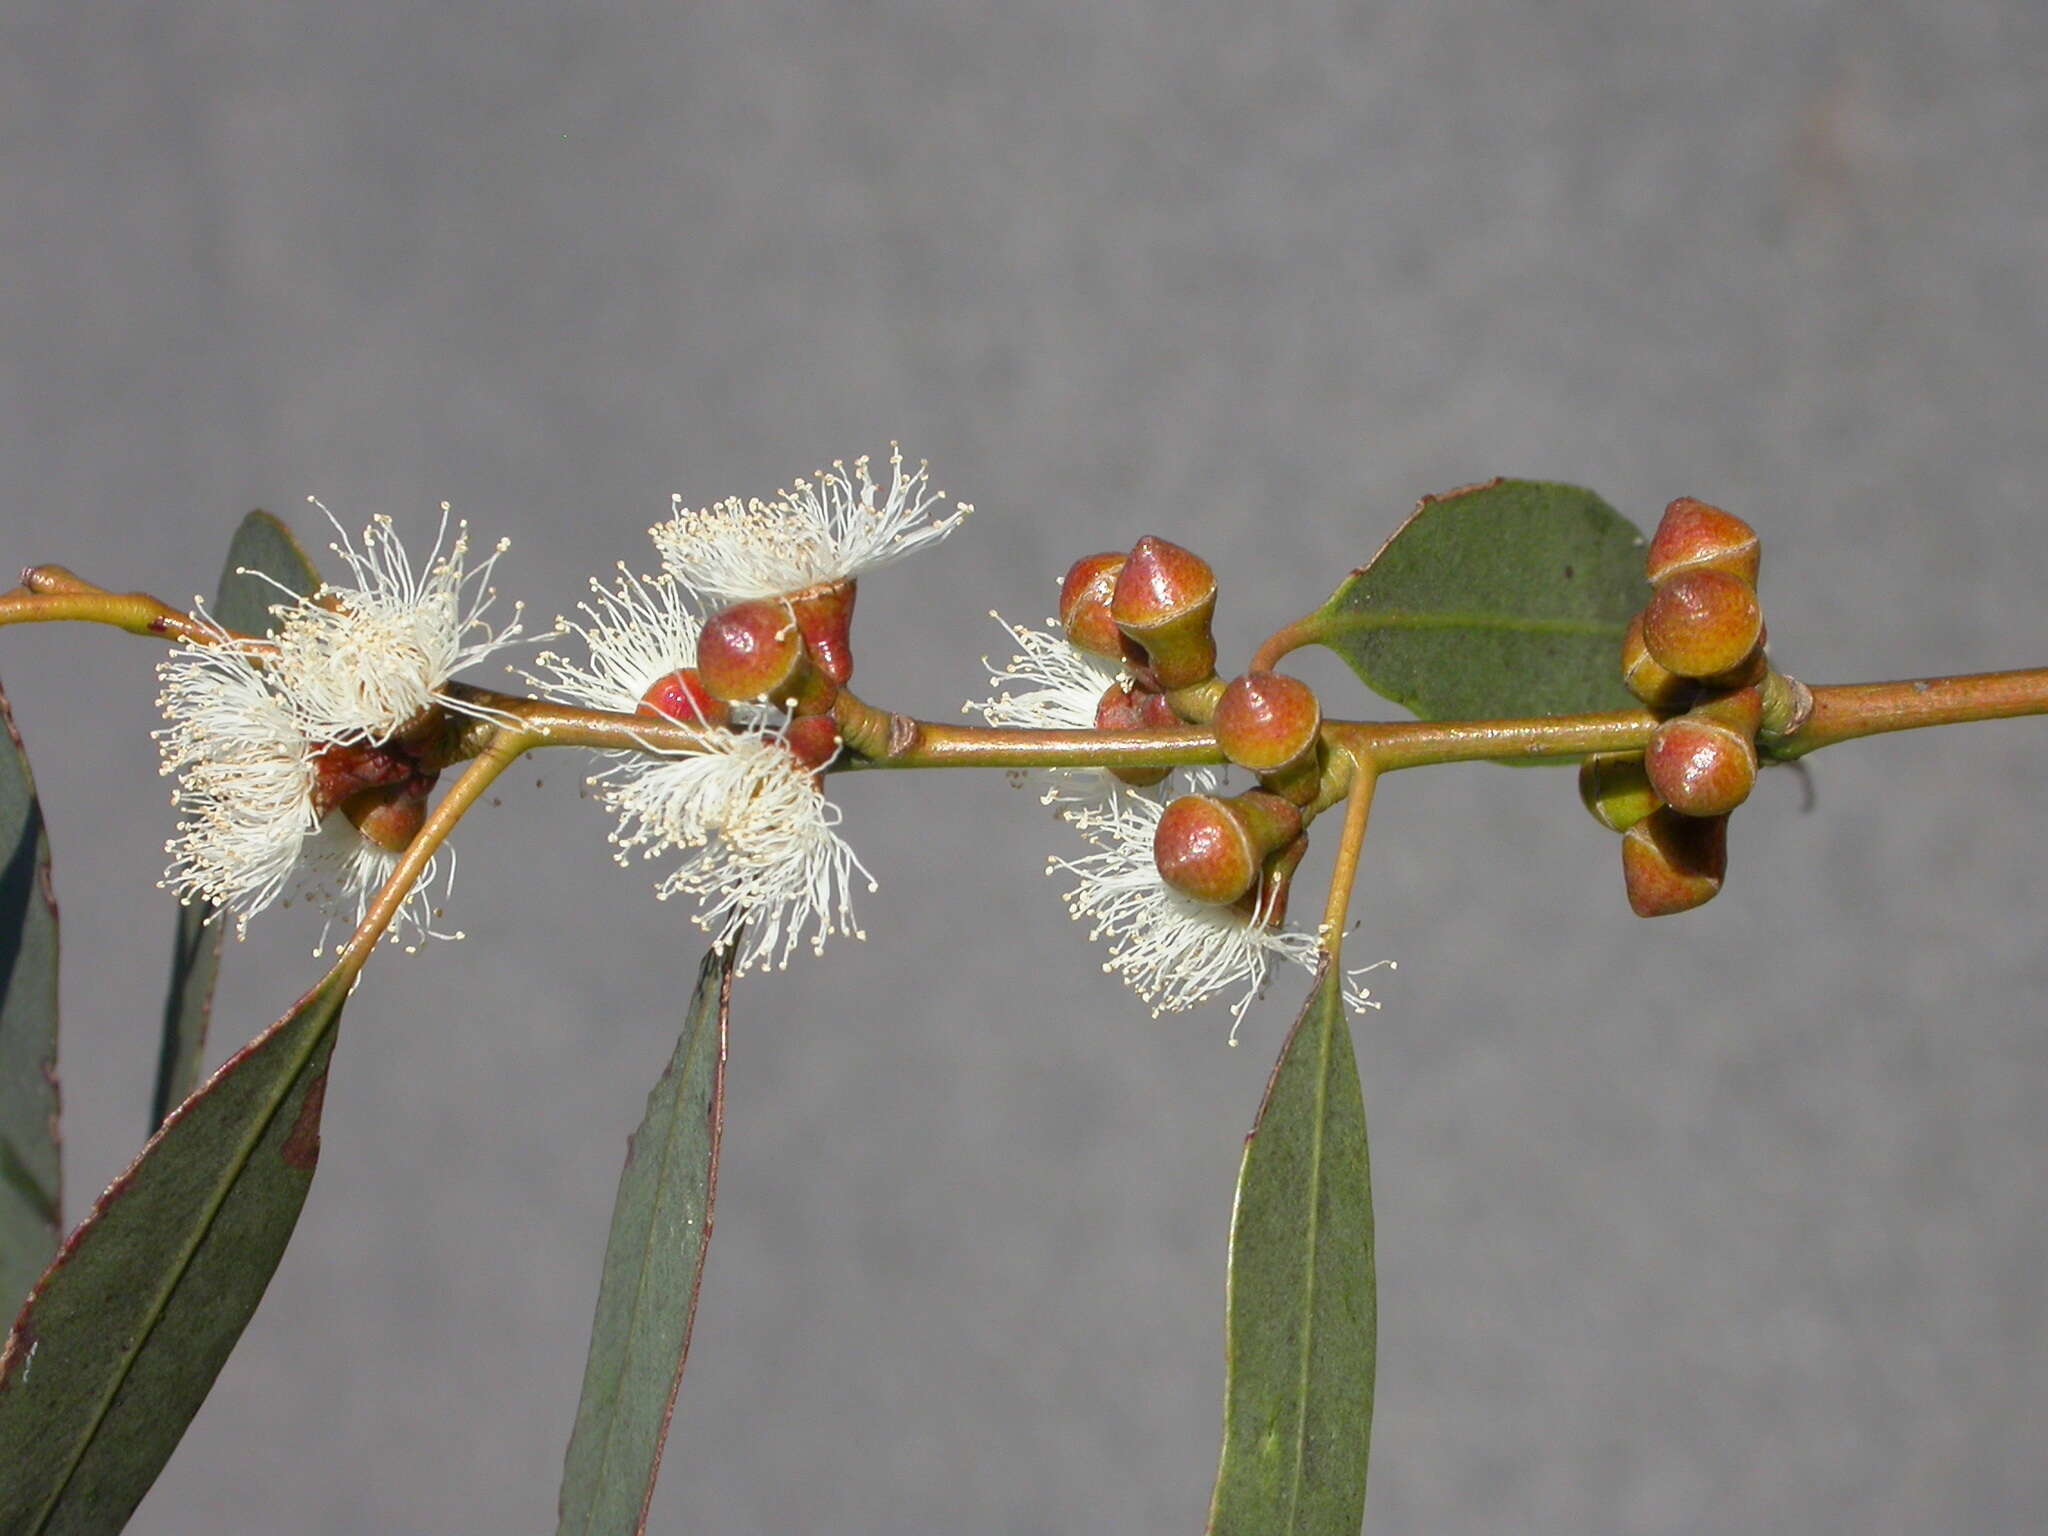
[122,1337]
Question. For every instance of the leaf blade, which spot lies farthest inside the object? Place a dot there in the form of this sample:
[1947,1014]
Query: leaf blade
[242,602]
[661,1229]
[121,1339]
[31,1164]
[1302,1316]
[1502,599]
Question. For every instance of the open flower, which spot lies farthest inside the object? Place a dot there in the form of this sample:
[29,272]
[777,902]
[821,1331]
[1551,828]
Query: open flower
[817,533]
[357,663]
[759,845]
[1174,952]
[260,800]
[1051,686]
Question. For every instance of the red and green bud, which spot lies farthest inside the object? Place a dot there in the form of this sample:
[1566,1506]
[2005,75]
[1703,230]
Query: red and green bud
[1135,709]
[1267,721]
[824,620]
[683,698]
[1616,790]
[1213,850]
[1649,680]
[752,651]
[1700,768]
[340,773]
[1694,534]
[1702,623]
[1084,606]
[1164,599]
[1672,863]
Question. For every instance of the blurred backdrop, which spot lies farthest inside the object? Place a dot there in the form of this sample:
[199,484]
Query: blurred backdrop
[1731,1222]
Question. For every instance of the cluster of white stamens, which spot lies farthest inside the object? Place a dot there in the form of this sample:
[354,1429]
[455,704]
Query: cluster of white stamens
[358,662]
[1172,951]
[816,533]
[759,845]
[249,720]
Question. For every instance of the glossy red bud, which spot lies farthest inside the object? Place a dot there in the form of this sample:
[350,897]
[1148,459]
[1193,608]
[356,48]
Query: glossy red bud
[683,698]
[1695,533]
[824,618]
[1702,622]
[1163,600]
[1084,606]
[750,651]
[1267,721]
[1672,863]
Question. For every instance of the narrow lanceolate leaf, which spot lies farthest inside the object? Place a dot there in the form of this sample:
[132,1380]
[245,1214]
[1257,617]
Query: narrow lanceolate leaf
[653,1262]
[242,603]
[30,1219]
[1300,1335]
[124,1334]
[1503,599]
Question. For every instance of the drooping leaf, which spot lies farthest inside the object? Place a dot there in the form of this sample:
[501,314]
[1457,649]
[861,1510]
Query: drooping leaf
[653,1262]
[30,1167]
[1503,599]
[242,603]
[124,1334]
[1300,1337]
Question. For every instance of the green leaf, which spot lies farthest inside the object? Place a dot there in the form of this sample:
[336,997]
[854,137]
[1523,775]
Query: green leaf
[1498,600]
[653,1262]
[122,1338]
[242,602]
[30,1168]
[1300,1337]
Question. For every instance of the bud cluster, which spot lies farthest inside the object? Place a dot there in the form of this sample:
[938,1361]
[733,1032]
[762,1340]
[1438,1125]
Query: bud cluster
[1695,654]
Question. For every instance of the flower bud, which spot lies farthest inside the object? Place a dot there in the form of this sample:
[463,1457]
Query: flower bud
[1645,677]
[824,619]
[342,772]
[1134,709]
[682,697]
[1163,599]
[1702,622]
[392,816]
[813,740]
[1267,721]
[1212,850]
[1694,534]
[1700,767]
[751,651]
[1616,790]
[1672,863]
[1084,606]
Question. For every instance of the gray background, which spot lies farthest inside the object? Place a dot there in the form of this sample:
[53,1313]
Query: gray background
[1728,1223]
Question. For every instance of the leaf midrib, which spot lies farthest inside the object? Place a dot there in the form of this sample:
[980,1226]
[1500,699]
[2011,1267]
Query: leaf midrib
[177,1273]
[1314,1225]
[1406,618]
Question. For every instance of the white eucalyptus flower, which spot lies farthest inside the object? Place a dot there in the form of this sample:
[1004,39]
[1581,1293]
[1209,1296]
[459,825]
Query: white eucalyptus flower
[252,832]
[816,533]
[1052,686]
[357,663]
[761,852]
[1174,952]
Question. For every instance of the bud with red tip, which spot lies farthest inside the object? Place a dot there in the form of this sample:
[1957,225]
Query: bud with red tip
[682,697]
[1704,763]
[751,651]
[1163,599]
[1672,863]
[1616,790]
[1702,622]
[1648,679]
[1135,709]
[1084,606]
[1212,850]
[1267,721]
[824,619]
[1694,534]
